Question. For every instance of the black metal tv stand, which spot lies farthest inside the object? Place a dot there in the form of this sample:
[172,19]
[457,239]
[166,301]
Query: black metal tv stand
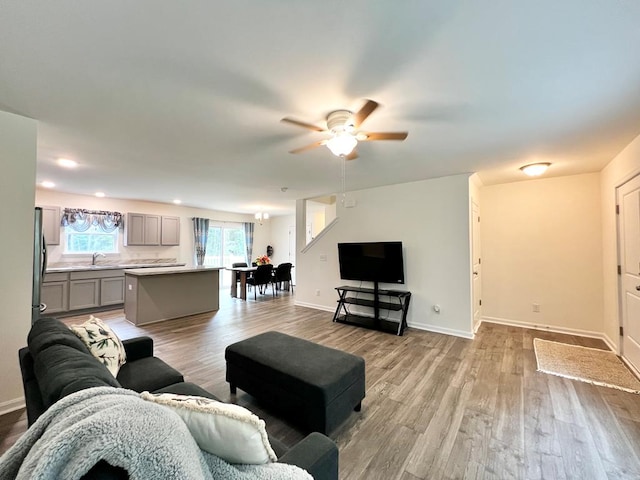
[397,300]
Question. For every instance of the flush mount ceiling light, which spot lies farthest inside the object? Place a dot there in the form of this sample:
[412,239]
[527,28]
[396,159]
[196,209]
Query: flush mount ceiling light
[48,184]
[260,216]
[100,194]
[66,163]
[535,169]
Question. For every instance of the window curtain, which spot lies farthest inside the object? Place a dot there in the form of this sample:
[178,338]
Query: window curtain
[81,220]
[200,234]
[248,239]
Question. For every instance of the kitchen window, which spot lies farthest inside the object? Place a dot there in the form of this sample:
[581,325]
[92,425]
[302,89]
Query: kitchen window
[89,231]
[94,239]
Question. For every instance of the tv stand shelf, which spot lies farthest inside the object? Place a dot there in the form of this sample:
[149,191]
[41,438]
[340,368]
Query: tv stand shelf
[397,301]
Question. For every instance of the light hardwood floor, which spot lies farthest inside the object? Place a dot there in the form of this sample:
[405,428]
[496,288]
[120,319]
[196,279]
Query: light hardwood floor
[437,407]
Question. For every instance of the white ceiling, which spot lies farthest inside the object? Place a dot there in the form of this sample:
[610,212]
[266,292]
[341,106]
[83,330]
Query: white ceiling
[159,100]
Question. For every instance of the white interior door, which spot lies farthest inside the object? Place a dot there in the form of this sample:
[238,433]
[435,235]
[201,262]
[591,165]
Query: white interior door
[476,264]
[629,248]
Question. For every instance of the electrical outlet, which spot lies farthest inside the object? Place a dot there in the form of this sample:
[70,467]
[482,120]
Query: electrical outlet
[130,287]
[323,257]
[317,293]
[535,308]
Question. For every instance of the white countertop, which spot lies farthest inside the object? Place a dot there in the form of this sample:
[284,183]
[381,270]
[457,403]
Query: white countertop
[80,268]
[142,272]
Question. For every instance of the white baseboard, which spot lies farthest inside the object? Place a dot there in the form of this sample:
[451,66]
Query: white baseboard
[552,328]
[437,329]
[11,405]
[611,344]
[635,371]
[428,328]
[313,305]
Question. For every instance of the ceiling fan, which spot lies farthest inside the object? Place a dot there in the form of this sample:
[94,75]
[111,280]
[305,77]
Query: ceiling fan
[343,126]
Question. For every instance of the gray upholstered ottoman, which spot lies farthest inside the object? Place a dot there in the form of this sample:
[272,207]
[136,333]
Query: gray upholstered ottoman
[314,386]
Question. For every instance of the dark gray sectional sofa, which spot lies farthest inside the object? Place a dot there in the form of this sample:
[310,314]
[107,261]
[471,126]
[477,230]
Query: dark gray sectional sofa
[56,363]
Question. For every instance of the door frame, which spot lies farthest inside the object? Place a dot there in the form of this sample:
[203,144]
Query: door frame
[476,271]
[619,281]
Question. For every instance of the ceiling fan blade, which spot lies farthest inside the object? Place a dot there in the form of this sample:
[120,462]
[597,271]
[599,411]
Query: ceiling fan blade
[353,155]
[308,147]
[364,112]
[385,136]
[303,124]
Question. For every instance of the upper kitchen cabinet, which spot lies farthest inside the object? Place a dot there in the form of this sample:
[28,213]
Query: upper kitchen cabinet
[142,229]
[170,231]
[51,224]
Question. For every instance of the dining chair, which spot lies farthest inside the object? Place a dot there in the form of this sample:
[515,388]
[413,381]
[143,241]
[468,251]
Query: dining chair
[282,274]
[261,279]
[239,264]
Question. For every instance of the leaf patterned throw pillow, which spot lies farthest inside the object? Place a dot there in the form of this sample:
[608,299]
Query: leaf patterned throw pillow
[102,343]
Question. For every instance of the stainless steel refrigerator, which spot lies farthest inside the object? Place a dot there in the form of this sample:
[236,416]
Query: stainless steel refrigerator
[39,266]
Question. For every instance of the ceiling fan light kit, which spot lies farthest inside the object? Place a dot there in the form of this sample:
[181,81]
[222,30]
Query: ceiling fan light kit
[342,144]
[535,169]
[343,126]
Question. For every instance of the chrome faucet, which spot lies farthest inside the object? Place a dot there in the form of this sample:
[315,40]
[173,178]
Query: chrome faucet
[97,254]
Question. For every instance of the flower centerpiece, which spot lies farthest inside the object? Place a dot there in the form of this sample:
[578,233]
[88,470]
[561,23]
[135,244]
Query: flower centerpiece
[263,260]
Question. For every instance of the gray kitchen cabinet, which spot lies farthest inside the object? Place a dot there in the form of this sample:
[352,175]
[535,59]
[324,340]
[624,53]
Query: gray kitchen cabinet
[55,292]
[95,288]
[170,231]
[84,294]
[142,229]
[51,224]
[112,290]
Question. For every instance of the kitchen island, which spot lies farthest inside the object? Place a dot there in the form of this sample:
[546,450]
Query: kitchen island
[156,294]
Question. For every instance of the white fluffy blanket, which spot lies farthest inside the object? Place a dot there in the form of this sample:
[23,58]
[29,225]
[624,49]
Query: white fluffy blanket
[116,425]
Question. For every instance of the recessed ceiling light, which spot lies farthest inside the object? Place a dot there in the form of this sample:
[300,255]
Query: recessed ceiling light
[100,194]
[535,169]
[177,202]
[65,162]
[48,184]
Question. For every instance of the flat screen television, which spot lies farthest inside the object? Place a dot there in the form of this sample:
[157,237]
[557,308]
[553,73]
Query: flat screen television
[371,261]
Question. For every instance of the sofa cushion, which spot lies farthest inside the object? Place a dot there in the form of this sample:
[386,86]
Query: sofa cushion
[229,431]
[187,388]
[50,331]
[149,373]
[102,342]
[58,366]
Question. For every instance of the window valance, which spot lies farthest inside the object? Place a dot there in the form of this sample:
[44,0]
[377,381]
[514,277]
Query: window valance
[81,220]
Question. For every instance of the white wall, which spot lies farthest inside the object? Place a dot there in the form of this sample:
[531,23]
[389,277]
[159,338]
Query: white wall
[431,218]
[280,238]
[18,137]
[183,253]
[619,170]
[542,243]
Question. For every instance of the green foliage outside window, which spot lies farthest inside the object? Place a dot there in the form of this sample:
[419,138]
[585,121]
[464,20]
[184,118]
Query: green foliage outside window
[225,245]
[93,240]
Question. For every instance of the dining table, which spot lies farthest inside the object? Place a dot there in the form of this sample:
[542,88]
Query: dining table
[244,273]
